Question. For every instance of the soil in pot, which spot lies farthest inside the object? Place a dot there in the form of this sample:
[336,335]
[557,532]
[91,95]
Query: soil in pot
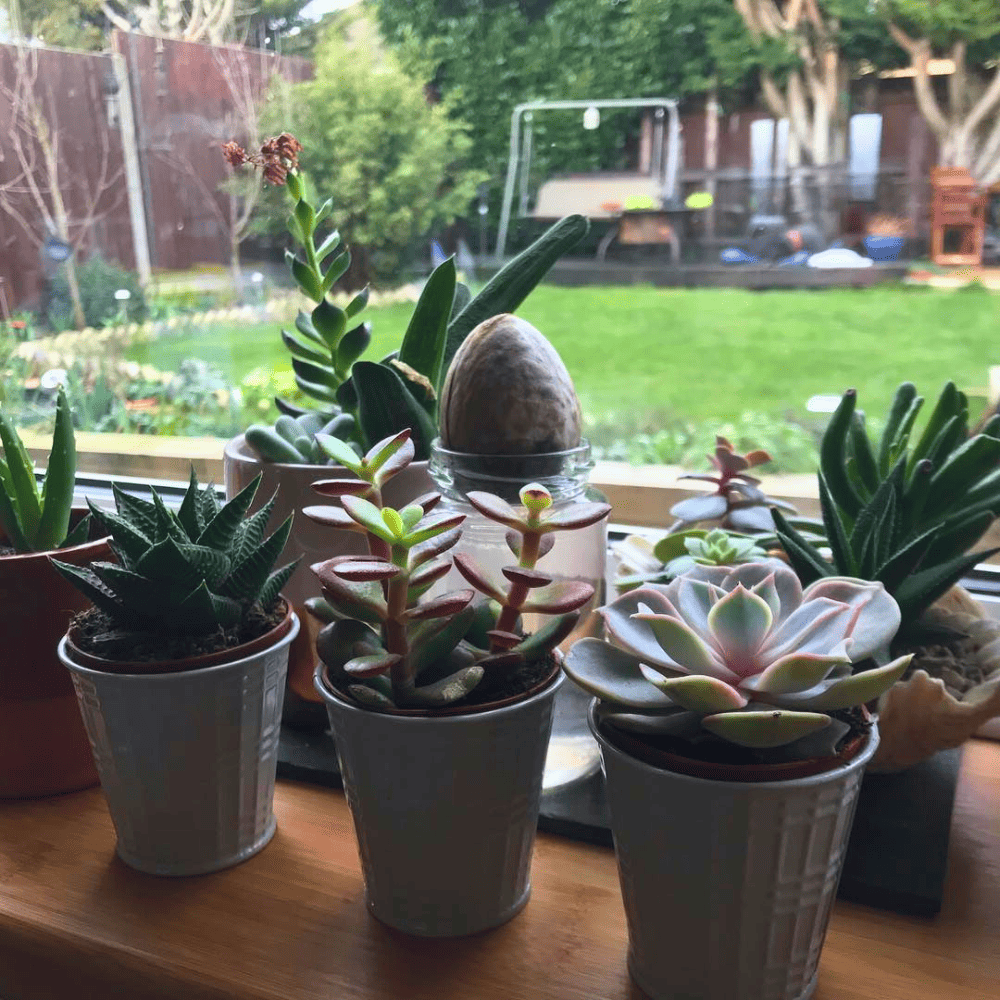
[95,634]
[723,761]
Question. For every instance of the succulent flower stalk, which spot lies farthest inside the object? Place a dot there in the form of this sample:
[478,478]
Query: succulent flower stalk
[381,641]
[744,654]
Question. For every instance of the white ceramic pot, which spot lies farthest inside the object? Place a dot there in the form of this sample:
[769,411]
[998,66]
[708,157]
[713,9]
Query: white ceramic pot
[187,760]
[309,542]
[445,809]
[728,886]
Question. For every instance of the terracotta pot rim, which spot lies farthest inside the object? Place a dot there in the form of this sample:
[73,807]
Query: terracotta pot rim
[166,669]
[237,448]
[24,557]
[416,715]
[812,770]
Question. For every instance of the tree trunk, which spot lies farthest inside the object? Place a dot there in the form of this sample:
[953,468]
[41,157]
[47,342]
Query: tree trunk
[79,317]
[235,268]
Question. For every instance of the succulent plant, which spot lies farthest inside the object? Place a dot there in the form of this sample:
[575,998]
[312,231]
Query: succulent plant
[905,516]
[36,521]
[363,401]
[387,649]
[738,502]
[188,572]
[743,654]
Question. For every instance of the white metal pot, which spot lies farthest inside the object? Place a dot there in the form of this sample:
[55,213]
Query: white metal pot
[445,809]
[187,760]
[308,542]
[727,885]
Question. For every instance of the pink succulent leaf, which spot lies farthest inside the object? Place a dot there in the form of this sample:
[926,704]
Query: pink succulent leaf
[333,517]
[816,627]
[503,640]
[353,600]
[441,607]
[548,635]
[854,689]
[576,515]
[677,723]
[496,509]
[694,599]
[482,580]
[758,457]
[634,636]
[731,461]
[714,575]
[430,527]
[874,615]
[738,623]
[366,570]
[545,543]
[447,690]
[749,519]
[390,457]
[340,451]
[529,577]
[786,585]
[700,508]
[745,477]
[430,573]
[768,592]
[798,671]
[428,501]
[383,450]
[433,547]
[371,665]
[685,647]
[342,487]
[702,694]
[559,598]
[763,730]
[368,516]
[370,698]
[748,490]
[613,675]
[703,477]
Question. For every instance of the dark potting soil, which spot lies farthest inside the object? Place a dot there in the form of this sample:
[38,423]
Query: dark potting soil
[952,659]
[95,632]
[7,550]
[713,750]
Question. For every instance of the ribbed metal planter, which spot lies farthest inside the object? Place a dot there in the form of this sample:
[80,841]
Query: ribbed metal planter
[187,760]
[445,809]
[728,886]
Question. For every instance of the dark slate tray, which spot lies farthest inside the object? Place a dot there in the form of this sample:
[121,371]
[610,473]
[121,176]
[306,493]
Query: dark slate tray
[897,857]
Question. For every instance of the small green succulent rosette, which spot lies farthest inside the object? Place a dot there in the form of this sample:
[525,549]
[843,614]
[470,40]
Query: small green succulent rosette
[743,655]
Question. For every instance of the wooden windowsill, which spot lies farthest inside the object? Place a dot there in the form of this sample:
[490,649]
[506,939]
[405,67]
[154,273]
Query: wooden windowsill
[290,924]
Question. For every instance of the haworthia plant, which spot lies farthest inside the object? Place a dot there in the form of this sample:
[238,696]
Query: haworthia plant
[185,572]
[900,513]
[36,520]
[362,402]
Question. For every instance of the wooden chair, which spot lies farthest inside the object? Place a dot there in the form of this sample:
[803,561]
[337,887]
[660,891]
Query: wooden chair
[957,208]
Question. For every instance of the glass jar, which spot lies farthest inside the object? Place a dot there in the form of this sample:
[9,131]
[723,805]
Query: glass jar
[576,555]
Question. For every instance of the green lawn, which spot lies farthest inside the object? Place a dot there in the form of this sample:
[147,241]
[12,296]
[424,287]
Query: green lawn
[703,354]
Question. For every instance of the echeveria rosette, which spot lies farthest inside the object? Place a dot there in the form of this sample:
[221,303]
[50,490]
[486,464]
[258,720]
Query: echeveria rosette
[744,654]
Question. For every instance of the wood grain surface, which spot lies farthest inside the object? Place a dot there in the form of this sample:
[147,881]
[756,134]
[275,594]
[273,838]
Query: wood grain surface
[291,923]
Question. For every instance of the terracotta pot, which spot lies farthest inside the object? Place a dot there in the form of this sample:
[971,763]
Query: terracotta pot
[44,748]
[309,542]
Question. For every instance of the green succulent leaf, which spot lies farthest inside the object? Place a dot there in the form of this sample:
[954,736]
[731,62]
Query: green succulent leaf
[305,278]
[20,474]
[219,531]
[386,406]
[764,730]
[60,479]
[424,342]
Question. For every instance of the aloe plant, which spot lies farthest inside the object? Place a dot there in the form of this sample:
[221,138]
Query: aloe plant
[360,401]
[38,520]
[744,655]
[186,572]
[385,647]
[903,513]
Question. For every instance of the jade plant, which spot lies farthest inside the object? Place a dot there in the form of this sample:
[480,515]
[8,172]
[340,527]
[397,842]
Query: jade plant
[36,520]
[899,512]
[188,572]
[744,656]
[360,401]
[386,648]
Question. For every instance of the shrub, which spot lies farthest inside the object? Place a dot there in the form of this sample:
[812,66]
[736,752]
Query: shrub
[99,279]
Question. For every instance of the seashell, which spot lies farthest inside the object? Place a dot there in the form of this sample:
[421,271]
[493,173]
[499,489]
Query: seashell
[919,716]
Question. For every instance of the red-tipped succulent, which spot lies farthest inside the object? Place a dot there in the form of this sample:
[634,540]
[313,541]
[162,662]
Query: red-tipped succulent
[387,648]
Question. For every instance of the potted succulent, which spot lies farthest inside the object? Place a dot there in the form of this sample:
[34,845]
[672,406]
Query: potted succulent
[441,710]
[359,402]
[179,669]
[43,744]
[906,514]
[734,741]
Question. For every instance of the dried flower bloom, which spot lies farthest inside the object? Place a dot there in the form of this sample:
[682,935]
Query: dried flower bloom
[277,156]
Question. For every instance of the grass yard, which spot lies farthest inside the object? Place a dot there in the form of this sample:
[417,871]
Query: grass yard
[702,354]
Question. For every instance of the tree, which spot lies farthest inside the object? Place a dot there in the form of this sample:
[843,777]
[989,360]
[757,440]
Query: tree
[392,163]
[966,117]
[47,174]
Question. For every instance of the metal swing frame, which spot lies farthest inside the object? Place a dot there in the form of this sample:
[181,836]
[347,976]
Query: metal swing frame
[665,168]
